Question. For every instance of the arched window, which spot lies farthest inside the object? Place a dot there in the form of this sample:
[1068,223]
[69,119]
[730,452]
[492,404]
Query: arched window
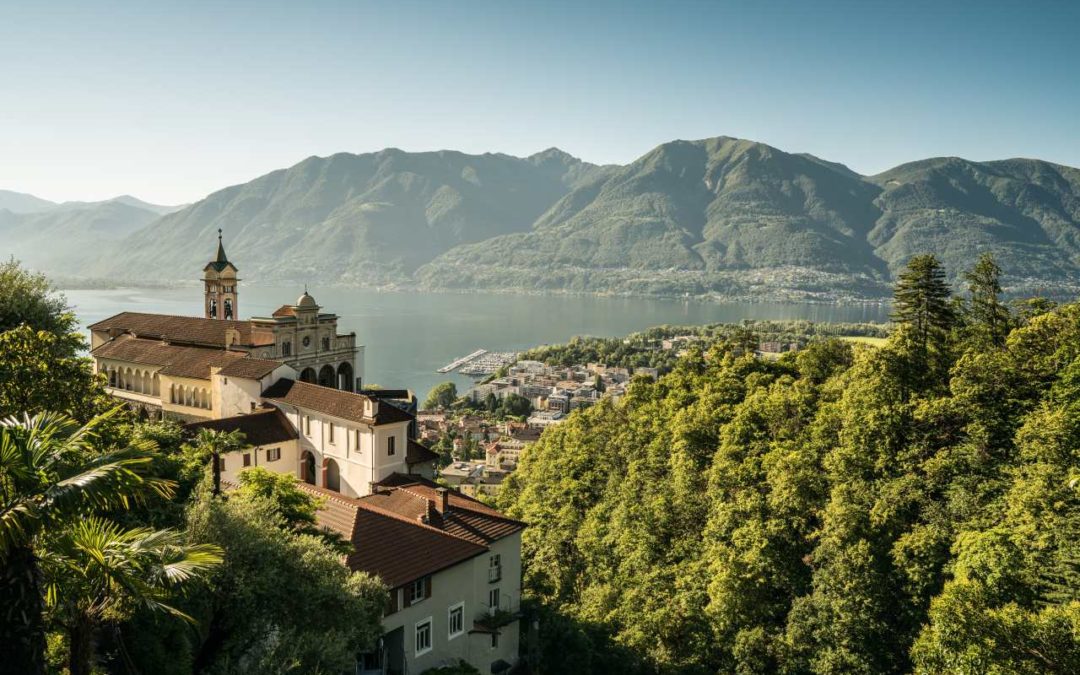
[228,308]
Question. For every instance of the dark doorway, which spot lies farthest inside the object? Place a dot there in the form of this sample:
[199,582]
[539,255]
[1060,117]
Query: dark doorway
[345,377]
[307,375]
[307,468]
[326,376]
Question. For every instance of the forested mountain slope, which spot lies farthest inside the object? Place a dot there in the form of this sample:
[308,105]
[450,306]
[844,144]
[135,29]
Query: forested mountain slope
[719,216]
[845,510]
[366,218]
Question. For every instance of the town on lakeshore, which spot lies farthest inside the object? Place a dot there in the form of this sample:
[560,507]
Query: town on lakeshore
[293,387]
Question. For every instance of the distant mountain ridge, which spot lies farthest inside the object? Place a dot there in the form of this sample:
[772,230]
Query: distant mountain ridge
[719,216]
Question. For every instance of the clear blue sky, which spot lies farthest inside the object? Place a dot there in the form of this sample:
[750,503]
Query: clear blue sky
[171,101]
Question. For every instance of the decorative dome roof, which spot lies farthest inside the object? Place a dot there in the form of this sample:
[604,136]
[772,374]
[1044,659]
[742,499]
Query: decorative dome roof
[306,300]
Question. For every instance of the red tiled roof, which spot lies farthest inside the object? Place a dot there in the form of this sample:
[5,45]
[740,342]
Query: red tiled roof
[284,310]
[265,426]
[466,517]
[343,404]
[388,545]
[188,330]
[252,369]
[194,362]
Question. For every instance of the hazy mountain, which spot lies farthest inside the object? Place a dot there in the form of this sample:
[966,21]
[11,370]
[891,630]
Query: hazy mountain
[18,202]
[357,218]
[716,216]
[62,240]
[731,216]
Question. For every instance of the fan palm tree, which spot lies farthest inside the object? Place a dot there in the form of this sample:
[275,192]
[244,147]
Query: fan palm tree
[218,443]
[51,475]
[96,571]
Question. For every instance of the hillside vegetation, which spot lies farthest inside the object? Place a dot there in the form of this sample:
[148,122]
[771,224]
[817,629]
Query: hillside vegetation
[714,217]
[848,509]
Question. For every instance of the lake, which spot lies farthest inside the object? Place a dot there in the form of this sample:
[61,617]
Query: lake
[410,334]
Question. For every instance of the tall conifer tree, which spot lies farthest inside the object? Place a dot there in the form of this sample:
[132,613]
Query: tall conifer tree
[990,319]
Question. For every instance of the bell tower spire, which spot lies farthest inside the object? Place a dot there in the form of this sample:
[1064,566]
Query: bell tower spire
[220,286]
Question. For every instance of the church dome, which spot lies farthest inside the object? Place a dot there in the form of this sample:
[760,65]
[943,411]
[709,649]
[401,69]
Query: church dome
[306,300]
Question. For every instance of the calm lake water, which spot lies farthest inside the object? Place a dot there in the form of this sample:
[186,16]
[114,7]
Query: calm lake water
[409,335]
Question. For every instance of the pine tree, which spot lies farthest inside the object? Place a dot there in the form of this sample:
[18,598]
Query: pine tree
[989,318]
[921,300]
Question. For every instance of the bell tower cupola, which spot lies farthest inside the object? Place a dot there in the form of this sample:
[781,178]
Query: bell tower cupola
[219,279]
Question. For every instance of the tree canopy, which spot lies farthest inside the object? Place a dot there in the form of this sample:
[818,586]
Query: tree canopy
[845,509]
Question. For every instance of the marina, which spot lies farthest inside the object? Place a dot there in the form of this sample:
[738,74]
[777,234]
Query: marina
[480,363]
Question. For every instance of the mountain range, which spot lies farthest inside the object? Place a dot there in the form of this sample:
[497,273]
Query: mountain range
[720,216]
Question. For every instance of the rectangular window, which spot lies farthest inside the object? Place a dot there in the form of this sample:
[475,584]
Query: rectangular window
[286,348]
[418,590]
[247,459]
[221,463]
[423,637]
[494,568]
[494,640]
[273,454]
[307,425]
[326,344]
[456,620]
[493,600]
[390,445]
[331,432]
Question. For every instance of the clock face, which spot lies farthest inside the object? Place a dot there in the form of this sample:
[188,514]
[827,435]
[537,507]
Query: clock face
[307,341]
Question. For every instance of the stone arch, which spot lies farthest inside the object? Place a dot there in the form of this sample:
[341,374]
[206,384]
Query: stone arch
[146,387]
[155,385]
[308,375]
[113,376]
[345,376]
[331,475]
[307,467]
[327,376]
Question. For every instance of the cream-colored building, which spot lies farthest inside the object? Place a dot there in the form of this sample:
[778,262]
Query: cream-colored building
[285,382]
[453,566]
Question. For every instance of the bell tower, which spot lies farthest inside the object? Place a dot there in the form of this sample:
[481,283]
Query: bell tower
[219,279]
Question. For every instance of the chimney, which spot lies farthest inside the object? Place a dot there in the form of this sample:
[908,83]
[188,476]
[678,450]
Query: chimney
[443,505]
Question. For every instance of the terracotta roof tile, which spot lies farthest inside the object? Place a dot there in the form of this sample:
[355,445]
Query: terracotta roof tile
[193,362]
[252,369]
[466,518]
[178,329]
[388,545]
[263,427]
[343,404]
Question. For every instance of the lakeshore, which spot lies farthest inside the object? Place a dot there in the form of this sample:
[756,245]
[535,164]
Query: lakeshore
[409,335]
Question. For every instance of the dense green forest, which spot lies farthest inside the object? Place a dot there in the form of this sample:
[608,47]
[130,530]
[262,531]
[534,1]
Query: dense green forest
[116,556]
[913,507]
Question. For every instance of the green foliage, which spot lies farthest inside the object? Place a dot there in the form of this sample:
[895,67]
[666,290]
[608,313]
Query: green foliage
[28,298]
[41,373]
[96,571]
[281,600]
[441,396]
[847,508]
[52,475]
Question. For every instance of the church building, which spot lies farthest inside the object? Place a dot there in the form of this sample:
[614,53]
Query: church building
[290,384]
